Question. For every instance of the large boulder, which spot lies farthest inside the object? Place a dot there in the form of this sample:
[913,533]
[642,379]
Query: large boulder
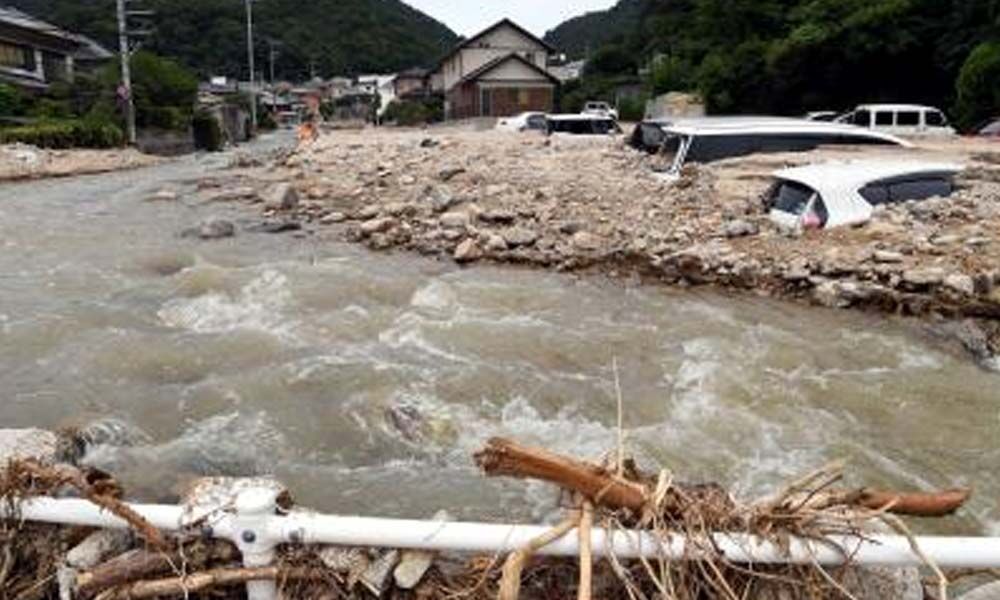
[281,196]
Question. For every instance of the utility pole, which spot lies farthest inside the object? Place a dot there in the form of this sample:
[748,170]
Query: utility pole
[125,36]
[125,91]
[253,89]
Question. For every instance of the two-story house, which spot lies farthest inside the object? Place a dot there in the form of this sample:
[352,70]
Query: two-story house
[497,73]
[34,53]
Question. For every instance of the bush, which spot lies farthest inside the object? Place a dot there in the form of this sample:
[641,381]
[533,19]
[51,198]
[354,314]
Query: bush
[632,109]
[207,131]
[978,86]
[406,113]
[77,133]
[11,101]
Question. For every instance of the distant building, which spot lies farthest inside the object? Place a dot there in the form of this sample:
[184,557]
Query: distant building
[35,54]
[412,83]
[383,85]
[496,73]
[570,71]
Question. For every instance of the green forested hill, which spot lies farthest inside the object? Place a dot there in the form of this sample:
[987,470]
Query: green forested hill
[332,36]
[788,56]
[582,35]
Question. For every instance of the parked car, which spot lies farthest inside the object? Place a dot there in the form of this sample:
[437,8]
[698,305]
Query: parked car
[900,119]
[846,193]
[711,139]
[600,108]
[528,121]
[583,125]
[826,116]
[990,128]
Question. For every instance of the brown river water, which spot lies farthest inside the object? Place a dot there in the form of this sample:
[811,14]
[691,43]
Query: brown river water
[365,381]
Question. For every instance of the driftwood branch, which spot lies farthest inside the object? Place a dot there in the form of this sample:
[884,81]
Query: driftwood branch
[140,564]
[939,504]
[199,582]
[504,458]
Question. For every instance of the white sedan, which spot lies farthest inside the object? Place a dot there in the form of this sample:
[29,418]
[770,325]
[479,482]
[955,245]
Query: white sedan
[528,121]
[846,193]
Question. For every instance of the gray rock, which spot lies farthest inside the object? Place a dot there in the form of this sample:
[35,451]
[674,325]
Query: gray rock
[495,243]
[468,251]
[990,591]
[741,228]
[960,283]
[376,576]
[519,236]
[586,241]
[19,444]
[976,242]
[212,229]
[441,199]
[429,143]
[281,196]
[455,220]
[501,217]
[449,174]
[836,294]
[881,583]
[98,547]
[923,277]
[373,226]
[887,257]
[413,565]
[334,217]
[369,212]
[275,227]
[571,227]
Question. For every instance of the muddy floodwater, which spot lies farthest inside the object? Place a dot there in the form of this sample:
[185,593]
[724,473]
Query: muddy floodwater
[365,381]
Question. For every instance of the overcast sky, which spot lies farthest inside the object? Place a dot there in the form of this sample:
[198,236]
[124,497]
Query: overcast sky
[467,17]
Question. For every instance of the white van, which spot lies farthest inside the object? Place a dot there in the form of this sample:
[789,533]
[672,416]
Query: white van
[900,119]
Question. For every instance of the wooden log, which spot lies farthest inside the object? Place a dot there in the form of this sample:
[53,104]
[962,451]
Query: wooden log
[140,564]
[199,582]
[504,458]
[940,504]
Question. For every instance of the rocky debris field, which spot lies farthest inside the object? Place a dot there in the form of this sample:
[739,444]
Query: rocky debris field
[19,161]
[574,204]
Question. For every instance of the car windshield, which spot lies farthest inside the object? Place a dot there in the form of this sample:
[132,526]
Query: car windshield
[791,197]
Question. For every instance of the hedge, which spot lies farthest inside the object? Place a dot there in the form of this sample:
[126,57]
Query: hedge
[65,134]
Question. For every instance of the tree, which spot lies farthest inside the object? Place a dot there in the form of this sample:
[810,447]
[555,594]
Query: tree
[978,86]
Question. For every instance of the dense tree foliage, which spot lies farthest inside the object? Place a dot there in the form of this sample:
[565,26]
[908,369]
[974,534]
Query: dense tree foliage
[325,37]
[789,56]
[581,36]
[979,85]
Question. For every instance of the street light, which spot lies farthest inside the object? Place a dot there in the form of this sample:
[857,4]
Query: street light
[253,89]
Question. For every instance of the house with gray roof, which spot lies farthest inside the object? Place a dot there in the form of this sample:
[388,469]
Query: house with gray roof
[34,53]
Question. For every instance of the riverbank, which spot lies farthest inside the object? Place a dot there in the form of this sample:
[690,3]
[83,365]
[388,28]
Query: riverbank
[19,162]
[573,204]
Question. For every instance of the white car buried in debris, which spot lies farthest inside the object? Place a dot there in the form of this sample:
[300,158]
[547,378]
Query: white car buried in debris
[528,121]
[846,193]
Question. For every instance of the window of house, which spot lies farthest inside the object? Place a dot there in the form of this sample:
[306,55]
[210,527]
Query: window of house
[884,119]
[16,57]
[909,118]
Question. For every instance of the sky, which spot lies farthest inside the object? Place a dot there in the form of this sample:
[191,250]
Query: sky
[468,17]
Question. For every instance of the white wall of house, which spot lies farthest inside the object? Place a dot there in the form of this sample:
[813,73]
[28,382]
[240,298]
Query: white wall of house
[498,43]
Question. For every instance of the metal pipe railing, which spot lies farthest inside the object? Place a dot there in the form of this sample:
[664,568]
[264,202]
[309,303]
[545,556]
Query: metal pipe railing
[252,524]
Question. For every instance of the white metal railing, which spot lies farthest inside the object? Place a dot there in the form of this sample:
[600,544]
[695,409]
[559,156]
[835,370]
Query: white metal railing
[253,525]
